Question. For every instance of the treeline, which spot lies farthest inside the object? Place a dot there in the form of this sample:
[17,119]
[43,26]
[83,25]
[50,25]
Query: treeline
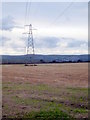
[23,59]
[42,62]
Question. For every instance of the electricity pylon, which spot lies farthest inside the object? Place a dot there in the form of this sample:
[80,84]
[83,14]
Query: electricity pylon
[30,46]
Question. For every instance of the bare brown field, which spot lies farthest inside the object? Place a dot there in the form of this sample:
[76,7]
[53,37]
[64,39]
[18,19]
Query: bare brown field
[44,87]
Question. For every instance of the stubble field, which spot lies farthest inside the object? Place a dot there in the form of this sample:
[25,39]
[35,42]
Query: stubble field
[45,87]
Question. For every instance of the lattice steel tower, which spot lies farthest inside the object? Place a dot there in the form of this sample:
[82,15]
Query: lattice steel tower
[30,46]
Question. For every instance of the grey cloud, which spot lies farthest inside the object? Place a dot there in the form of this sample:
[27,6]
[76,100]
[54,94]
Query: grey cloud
[47,42]
[3,40]
[77,43]
[8,23]
[73,43]
[88,43]
[52,42]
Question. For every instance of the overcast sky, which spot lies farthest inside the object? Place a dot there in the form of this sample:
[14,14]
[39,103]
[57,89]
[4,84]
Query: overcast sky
[62,28]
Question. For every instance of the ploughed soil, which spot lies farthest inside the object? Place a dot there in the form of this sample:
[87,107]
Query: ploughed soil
[44,87]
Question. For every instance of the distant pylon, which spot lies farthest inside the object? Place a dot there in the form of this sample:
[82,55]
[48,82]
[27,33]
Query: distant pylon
[30,52]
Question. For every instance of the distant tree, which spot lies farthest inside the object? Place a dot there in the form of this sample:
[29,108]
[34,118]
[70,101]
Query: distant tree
[79,60]
[42,61]
[70,61]
[54,61]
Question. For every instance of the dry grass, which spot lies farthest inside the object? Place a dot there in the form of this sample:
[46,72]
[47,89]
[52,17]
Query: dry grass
[45,87]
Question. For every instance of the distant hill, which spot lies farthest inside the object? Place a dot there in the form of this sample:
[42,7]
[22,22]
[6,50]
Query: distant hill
[10,59]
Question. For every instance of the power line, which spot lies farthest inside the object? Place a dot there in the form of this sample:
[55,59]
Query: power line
[27,12]
[62,13]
